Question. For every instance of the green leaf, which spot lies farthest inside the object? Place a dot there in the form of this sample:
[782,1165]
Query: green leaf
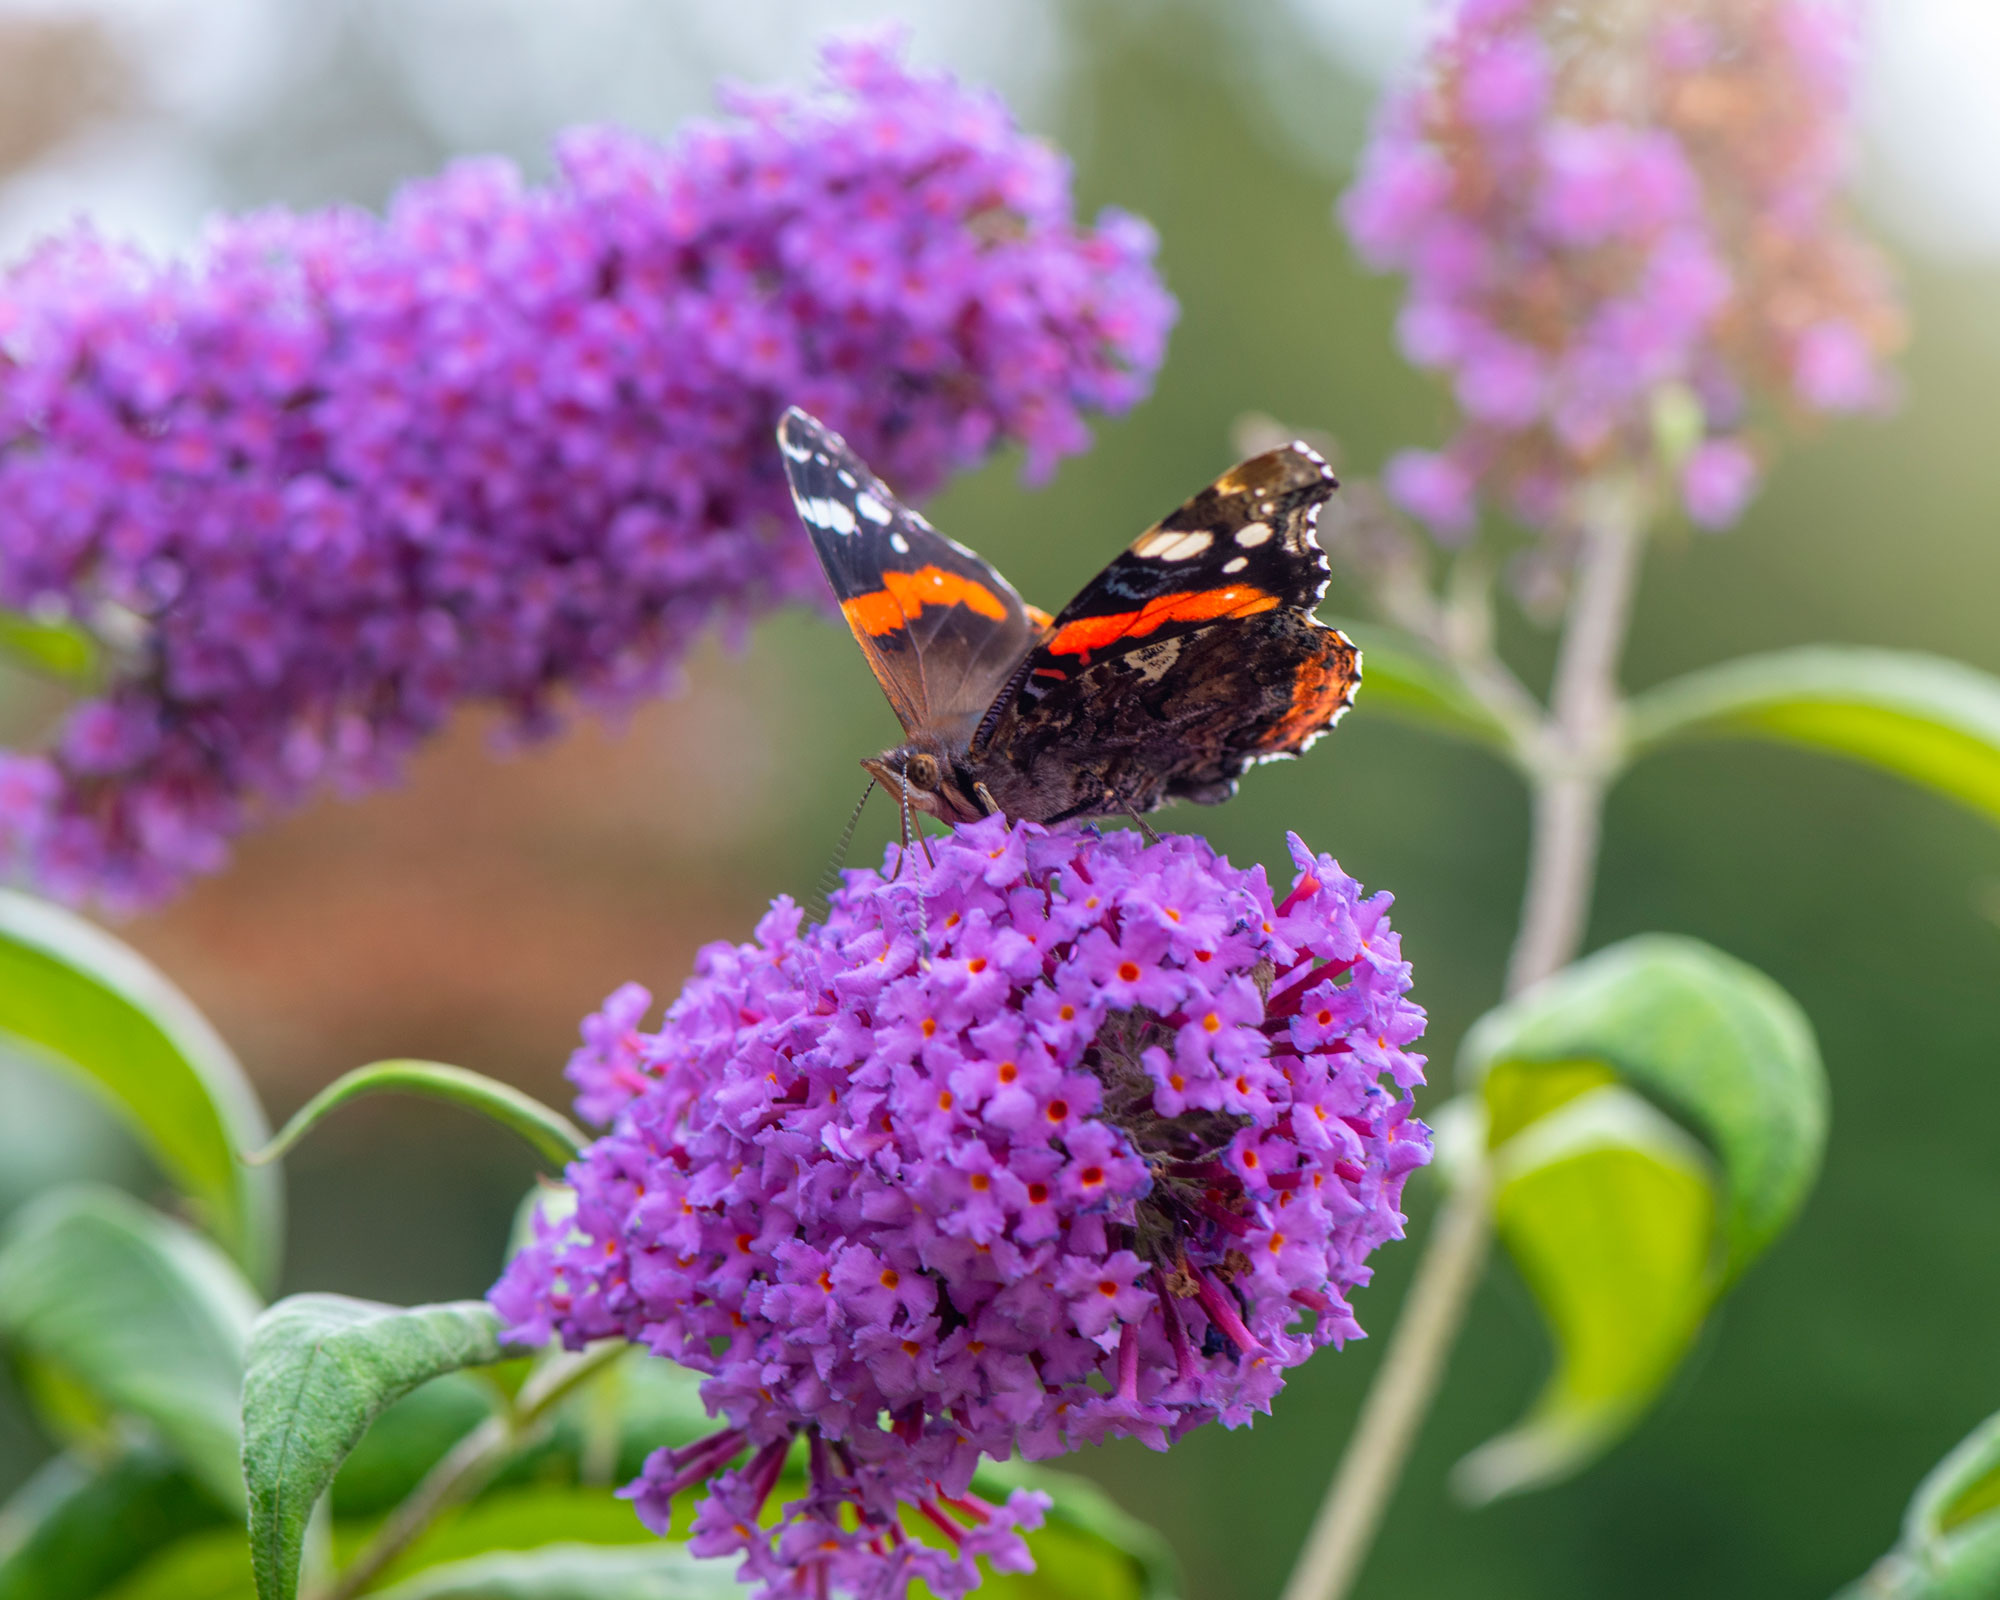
[203,1566]
[553,1135]
[522,1518]
[1623,1226]
[321,1368]
[55,1129]
[1932,721]
[58,649]
[77,1526]
[1608,1210]
[1963,1489]
[139,1312]
[1088,1548]
[1402,678]
[1708,1037]
[1950,1547]
[654,1571]
[73,997]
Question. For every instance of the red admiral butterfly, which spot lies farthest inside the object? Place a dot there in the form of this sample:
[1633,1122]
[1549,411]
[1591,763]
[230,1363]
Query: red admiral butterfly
[1194,654]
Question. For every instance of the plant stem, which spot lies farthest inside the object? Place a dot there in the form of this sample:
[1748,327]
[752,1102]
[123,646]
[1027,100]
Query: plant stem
[1399,1396]
[470,1465]
[1579,750]
[1570,760]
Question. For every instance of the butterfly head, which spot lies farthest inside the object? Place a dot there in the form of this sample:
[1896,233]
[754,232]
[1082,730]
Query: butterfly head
[924,769]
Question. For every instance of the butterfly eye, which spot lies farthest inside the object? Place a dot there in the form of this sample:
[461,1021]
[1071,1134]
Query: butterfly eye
[923,771]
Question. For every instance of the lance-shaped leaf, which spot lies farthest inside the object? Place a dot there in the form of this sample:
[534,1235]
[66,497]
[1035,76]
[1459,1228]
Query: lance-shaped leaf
[1932,721]
[79,1526]
[76,999]
[654,1571]
[554,1136]
[1708,1037]
[321,1368]
[1400,678]
[1607,1208]
[211,1565]
[140,1314]
[1950,1547]
[1624,1227]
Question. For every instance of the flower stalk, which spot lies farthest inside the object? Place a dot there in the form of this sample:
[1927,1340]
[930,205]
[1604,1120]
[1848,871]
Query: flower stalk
[1569,759]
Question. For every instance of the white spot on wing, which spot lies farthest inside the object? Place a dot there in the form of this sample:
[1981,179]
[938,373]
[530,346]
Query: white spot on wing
[1236,564]
[899,544]
[845,477]
[798,452]
[1253,534]
[836,516]
[1170,544]
[871,508]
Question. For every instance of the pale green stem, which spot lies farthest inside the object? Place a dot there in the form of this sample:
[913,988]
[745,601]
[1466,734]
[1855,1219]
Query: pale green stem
[1569,759]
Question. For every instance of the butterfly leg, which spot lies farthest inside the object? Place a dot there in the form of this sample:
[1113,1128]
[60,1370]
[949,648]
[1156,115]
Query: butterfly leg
[984,796]
[903,843]
[1145,827]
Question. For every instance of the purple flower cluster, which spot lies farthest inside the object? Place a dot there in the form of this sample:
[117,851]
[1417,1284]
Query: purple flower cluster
[339,474]
[1604,215]
[1061,1138]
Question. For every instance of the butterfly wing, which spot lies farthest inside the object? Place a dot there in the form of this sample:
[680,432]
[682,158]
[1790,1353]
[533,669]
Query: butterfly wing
[941,630]
[1194,653]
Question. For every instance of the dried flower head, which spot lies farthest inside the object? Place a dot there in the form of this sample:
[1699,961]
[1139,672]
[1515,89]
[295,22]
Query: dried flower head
[339,474]
[1621,230]
[1062,1138]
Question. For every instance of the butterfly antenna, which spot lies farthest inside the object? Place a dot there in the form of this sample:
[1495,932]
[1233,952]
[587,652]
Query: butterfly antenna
[829,879]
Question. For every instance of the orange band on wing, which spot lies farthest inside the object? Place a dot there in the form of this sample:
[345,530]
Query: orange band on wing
[1322,690]
[905,594]
[1086,634]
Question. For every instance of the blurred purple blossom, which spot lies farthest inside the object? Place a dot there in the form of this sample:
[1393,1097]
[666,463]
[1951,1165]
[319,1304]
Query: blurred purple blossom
[1596,209]
[338,474]
[1065,1138]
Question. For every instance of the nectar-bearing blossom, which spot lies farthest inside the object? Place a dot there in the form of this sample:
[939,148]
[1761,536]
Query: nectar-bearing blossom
[337,474]
[1624,248]
[1060,1138]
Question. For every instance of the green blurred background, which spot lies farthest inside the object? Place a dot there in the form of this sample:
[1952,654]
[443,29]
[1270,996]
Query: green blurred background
[478,911]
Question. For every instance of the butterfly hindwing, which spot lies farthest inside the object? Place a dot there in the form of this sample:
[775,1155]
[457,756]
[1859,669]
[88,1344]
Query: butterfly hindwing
[940,628]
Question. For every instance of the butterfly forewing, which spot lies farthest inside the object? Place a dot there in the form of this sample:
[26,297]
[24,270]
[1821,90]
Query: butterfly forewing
[1243,546]
[940,628]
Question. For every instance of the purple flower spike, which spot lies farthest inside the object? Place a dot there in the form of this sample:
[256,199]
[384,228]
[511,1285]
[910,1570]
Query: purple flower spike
[339,474]
[1063,1138]
[1598,214]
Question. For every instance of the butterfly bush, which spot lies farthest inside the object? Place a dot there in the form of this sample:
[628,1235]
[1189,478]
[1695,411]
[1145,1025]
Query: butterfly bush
[1613,215]
[337,474]
[1063,1138]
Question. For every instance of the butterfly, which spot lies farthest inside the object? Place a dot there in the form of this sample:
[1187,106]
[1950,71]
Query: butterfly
[1192,655]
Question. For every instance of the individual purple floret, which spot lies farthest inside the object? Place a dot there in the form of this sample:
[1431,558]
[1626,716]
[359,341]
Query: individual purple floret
[1625,250]
[338,474]
[1063,1138]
